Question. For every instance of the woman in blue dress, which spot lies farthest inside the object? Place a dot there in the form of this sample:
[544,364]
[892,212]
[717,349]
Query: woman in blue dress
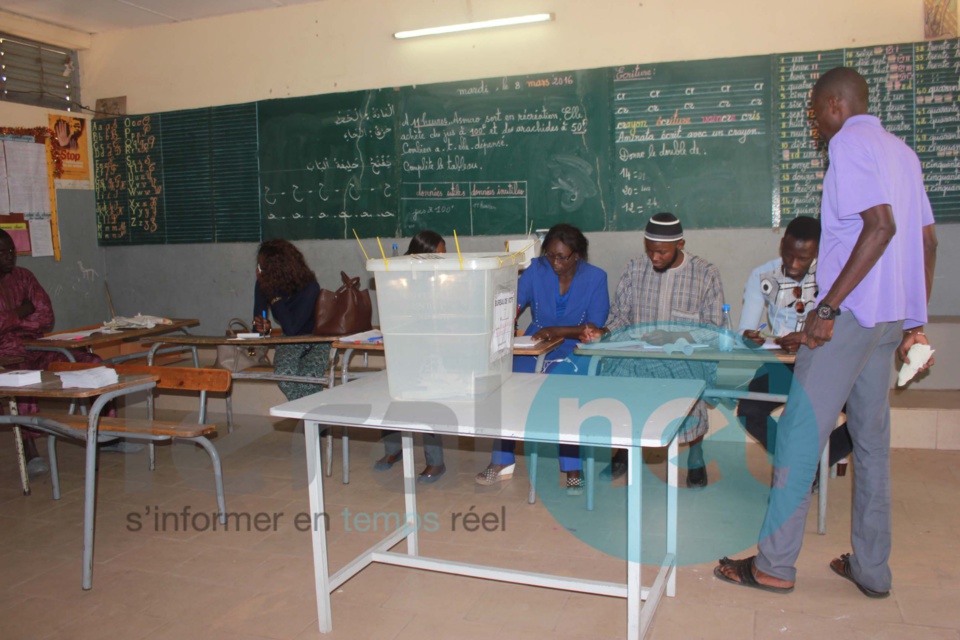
[564,293]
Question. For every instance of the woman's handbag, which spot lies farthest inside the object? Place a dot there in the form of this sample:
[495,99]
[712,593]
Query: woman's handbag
[239,357]
[344,311]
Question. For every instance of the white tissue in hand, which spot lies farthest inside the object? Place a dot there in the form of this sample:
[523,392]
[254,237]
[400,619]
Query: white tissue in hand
[918,355]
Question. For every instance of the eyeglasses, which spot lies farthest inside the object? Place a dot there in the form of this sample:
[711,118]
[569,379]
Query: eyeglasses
[553,257]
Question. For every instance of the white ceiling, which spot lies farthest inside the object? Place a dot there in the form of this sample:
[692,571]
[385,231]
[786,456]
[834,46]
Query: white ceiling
[98,16]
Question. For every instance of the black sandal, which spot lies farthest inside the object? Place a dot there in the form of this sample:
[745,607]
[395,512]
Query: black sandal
[841,567]
[744,570]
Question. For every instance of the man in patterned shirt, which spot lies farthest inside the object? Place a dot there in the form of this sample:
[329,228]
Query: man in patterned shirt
[670,294]
[786,288]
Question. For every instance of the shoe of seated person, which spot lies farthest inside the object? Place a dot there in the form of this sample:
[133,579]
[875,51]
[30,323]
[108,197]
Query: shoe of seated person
[575,484]
[494,474]
[613,471]
[37,466]
[432,474]
[386,462]
[697,478]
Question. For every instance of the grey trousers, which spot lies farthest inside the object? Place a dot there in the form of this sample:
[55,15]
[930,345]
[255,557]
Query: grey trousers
[432,446]
[854,367]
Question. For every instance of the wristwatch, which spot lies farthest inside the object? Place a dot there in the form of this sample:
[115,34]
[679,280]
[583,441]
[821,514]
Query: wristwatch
[826,312]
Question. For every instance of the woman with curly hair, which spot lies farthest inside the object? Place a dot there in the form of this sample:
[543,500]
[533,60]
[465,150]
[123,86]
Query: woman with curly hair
[288,289]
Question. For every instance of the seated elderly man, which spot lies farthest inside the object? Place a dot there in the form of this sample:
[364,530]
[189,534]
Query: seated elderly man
[26,314]
[666,293]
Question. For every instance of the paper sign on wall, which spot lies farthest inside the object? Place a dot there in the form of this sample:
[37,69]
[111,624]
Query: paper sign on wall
[68,145]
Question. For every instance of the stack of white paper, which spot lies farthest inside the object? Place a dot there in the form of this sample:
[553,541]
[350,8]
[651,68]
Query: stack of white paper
[88,378]
[19,378]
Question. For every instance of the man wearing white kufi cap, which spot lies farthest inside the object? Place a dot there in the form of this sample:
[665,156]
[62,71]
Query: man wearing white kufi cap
[671,293]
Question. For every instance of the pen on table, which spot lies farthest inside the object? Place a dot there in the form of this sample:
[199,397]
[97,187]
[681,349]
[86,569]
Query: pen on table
[264,314]
[375,339]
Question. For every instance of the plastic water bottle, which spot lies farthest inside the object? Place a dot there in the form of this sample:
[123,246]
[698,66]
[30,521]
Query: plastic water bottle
[725,339]
[396,251]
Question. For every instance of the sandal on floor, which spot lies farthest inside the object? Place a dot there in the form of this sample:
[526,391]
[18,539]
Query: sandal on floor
[387,462]
[841,567]
[744,571]
[492,475]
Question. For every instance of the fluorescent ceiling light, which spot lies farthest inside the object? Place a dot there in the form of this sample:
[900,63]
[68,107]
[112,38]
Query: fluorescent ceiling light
[469,26]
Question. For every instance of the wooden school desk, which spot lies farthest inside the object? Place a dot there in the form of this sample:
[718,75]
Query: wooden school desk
[50,387]
[642,413]
[255,373]
[97,340]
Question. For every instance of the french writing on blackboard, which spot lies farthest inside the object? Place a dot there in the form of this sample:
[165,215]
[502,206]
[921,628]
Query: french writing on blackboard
[681,130]
[798,150]
[488,156]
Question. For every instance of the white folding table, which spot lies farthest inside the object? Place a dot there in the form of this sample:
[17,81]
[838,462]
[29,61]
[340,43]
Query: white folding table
[549,409]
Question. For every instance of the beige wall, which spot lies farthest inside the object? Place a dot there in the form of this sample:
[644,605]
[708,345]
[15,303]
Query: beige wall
[341,45]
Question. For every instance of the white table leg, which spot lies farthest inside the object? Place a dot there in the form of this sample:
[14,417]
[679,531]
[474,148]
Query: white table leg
[410,493]
[634,526]
[319,525]
[672,478]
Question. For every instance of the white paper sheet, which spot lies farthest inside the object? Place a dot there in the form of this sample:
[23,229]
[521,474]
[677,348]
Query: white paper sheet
[41,234]
[27,177]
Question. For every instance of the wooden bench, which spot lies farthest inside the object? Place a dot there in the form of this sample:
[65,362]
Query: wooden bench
[170,378]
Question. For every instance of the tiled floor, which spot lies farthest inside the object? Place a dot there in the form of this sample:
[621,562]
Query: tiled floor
[156,579]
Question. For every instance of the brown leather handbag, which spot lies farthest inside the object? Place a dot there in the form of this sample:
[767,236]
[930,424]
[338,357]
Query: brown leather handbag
[344,311]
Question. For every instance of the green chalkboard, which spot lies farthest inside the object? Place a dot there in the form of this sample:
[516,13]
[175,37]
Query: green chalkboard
[722,143]
[494,156]
[180,176]
[693,138]
[328,165]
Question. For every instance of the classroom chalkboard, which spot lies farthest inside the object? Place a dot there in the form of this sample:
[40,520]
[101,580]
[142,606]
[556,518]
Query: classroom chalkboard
[722,143]
[180,176]
[499,155]
[914,90]
[328,165]
[693,138]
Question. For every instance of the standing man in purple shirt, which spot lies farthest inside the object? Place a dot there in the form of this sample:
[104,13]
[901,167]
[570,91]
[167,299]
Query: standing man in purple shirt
[876,264]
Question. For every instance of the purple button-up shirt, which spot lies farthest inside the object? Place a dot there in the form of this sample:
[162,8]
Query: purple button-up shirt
[870,167]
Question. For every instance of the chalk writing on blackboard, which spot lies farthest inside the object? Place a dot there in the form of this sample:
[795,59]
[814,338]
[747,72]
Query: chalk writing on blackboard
[798,150]
[110,180]
[676,133]
[144,176]
[938,123]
